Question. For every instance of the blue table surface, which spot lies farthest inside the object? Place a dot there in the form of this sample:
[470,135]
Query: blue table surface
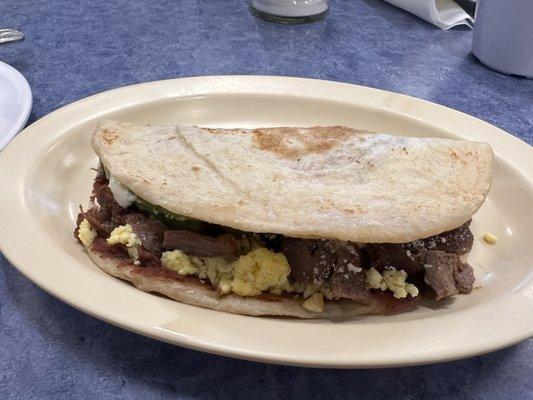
[73,49]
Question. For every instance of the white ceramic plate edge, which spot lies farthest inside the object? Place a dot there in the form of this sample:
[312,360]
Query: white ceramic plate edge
[24,90]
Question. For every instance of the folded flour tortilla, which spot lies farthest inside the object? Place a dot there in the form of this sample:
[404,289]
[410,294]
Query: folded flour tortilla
[319,182]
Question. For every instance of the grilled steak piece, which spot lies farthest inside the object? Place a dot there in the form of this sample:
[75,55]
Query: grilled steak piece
[117,251]
[348,280]
[310,260]
[410,256]
[108,208]
[457,241]
[107,214]
[150,231]
[439,268]
[394,255]
[147,258]
[338,263]
[103,228]
[464,278]
[196,244]
[446,274]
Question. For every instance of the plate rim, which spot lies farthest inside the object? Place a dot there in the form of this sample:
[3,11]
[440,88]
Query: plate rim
[27,96]
[253,81]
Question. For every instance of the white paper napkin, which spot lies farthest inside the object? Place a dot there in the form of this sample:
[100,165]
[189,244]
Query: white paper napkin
[442,13]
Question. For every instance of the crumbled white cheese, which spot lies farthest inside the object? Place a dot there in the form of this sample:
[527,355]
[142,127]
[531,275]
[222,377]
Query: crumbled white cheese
[393,280]
[121,194]
[374,280]
[396,283]
[353,268]
[315,303]
[86,233]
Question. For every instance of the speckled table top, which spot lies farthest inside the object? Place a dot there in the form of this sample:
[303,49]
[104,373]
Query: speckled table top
[74,49]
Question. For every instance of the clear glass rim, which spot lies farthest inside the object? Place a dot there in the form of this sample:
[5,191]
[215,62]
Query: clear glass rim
[280,19]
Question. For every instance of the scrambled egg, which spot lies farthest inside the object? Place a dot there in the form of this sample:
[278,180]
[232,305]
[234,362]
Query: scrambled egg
[314,303]
[259,270]
[86,233]
[124,235]
[393,280]
[217,270]
[178,261]
[490,238]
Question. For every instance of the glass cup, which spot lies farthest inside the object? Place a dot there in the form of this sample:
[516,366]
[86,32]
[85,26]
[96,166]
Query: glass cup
[290,11]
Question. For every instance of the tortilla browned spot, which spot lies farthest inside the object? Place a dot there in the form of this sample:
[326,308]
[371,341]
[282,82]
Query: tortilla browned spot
[293,143]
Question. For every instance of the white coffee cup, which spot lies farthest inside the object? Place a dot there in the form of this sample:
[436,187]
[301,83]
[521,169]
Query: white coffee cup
[503,35]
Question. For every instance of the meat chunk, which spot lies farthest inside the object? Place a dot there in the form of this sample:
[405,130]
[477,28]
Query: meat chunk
[409,256]
[348,280]
[446,274]
[120,251]
[99,222]
[196,244]
[147,258]
[107,207]
[463,276]
[394,255]
[457,241]
[439,272]
[310,260]
[151,232]
[117,251]
[338,263]
[107,213]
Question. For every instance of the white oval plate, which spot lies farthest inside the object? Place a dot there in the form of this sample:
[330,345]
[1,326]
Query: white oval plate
[15,103]
[45,174]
